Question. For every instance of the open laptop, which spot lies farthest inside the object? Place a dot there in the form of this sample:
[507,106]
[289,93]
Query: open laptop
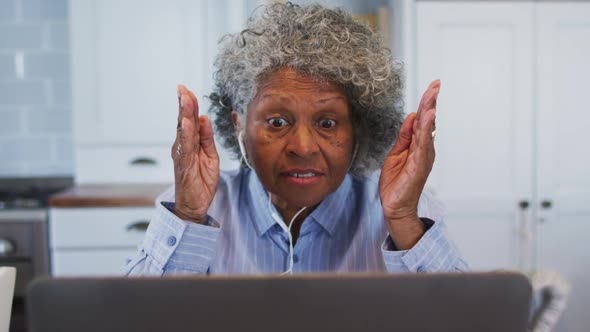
[7,279]
[365,302]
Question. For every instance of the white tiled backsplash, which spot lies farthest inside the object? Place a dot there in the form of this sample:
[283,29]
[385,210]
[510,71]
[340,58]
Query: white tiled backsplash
[36,136]
[35,107]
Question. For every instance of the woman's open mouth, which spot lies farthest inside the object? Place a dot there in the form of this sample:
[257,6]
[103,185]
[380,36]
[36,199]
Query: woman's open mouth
[302,177]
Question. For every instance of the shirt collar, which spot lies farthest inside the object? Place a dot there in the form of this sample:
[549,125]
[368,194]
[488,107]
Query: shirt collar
[260,213]
[327,214]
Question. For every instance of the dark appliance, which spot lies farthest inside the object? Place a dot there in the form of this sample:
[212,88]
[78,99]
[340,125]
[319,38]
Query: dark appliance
[23,234]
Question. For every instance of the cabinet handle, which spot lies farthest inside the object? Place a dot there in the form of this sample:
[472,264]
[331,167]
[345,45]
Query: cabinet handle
[546,204]
[143,161]
[523,205]
[7,247]
[138,226]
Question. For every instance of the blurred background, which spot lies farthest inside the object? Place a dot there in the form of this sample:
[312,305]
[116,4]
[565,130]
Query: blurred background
[88,115]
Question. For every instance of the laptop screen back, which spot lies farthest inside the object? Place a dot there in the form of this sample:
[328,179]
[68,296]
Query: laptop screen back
[409,302]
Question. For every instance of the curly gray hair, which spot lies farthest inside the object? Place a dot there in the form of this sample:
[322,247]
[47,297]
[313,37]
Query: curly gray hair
[325,43]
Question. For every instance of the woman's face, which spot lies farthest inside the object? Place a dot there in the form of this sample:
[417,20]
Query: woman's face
[299,137]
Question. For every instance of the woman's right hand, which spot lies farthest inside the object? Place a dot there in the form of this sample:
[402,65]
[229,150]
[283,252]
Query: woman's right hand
[196,162]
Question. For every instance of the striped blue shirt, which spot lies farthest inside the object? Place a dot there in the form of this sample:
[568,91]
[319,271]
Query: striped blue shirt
[345,233]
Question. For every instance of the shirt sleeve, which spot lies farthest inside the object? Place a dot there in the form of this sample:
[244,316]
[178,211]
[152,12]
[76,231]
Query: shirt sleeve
[174,246]
[434,252]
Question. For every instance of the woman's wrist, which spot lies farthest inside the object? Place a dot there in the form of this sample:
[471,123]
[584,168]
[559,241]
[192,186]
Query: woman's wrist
[405,231]
[188,217]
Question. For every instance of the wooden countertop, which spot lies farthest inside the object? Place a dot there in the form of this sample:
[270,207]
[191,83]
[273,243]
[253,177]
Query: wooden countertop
[108,195]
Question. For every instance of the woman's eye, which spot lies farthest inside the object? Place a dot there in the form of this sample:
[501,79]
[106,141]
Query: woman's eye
[278,122]
[327,123]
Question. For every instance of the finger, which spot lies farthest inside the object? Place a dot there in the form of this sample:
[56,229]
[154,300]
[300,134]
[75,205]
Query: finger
[188,111]
[427,123]
[192,108]
[422,138]
[405,135]
[207,141]
[429,106]
[425,127]
[187,141]
[181,90]
[195,103]
[195,112]
[422,148]
[174,153]
[427,98]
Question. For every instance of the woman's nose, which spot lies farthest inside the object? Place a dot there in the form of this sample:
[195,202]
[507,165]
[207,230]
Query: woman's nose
[302,142]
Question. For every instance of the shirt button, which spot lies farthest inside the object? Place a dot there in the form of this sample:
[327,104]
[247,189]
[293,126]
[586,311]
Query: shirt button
[171,240]
[421,269]
[295,258]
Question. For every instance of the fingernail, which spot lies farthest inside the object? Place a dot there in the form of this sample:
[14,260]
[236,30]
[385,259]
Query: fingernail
[182,101]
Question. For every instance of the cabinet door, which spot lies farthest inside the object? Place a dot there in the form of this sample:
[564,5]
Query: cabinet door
[482,53]
[72,263]
[98,228]
[128,57]
[95,241]
[563,40]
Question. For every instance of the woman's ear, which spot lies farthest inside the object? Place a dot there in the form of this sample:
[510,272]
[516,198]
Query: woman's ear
[235,119]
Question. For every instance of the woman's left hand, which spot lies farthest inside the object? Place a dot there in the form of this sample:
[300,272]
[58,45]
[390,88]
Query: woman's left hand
[406,170]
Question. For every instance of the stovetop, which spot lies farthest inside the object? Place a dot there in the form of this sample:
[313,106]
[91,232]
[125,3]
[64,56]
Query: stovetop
[30,193]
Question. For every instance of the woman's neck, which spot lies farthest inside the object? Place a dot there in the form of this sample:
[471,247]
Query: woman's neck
[288,212]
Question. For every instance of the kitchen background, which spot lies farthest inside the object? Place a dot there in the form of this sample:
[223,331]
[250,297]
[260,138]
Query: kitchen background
[87,104]
[35,102]
[36,137]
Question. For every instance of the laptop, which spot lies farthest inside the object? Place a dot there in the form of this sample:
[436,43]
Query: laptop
[323,302]
[7,279]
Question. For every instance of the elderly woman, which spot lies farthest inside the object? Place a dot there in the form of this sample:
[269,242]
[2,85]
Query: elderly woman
[310,101]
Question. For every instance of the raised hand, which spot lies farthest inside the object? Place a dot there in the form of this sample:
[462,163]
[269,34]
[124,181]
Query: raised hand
[196,162]
[406,170]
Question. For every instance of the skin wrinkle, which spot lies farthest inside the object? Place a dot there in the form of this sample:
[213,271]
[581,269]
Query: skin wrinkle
[319,42]
[301,121]
[302,144]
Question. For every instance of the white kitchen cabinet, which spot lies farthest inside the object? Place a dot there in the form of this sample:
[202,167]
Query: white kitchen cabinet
[511,123]
[124,164]
[91,263]
[482,53]
[563,204]
[95,241]
[127,59]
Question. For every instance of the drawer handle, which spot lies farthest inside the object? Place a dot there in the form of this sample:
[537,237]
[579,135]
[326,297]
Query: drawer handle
[143,161]
[138,226]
